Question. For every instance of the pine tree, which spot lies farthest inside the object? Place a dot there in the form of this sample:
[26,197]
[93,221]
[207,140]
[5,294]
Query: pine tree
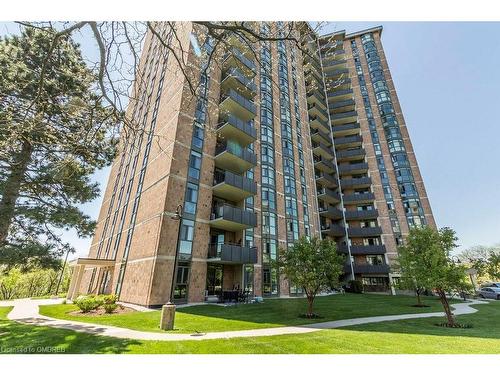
[54,133]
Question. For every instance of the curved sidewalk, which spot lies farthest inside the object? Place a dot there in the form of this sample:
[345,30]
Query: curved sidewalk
[26,311]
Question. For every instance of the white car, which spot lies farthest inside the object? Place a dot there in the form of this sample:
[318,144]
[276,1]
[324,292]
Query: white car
[489,292]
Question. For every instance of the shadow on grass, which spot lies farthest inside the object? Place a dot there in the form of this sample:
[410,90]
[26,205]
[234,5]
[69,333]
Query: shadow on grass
[484,324]
[19,338]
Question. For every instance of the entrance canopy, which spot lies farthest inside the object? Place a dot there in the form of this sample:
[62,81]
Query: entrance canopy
[79,265]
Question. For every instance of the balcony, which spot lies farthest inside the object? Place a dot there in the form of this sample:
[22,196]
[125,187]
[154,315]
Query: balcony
[348,142]
[362,182]
[234,158]
[317,123]
[314,74]
[342,106]
[355,168]
[323,151]
[358,198]
[233,187]
[328,195]
[364,232]
[238,105]
[230,218]
[323,165]
[234,79]
[345,129]
[363,249]
[337,73]
[314,97]
[350,155]
[344,118]
[315,110]
[239,43]
[325,179]
[361,215]
[318,135]
[231,254]
[329,65]
[333,230]
[330,212]
[368,268]
[241,131]
[235,59]
[340,95]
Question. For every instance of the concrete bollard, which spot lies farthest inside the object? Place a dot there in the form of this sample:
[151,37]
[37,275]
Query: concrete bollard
[167,317]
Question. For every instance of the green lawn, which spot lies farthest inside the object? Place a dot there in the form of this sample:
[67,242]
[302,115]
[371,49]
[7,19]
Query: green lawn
[410,336]
[271,313]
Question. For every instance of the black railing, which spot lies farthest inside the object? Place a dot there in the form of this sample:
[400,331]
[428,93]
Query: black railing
[363,249]
[240,99]
[232,213]
[360,197]
[235,180]
[240,152]
[232,253]
[245,126]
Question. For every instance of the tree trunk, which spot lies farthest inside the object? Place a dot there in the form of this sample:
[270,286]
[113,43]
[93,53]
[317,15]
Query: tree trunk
[446,306]
[11,189]
[310,301]
[419,300]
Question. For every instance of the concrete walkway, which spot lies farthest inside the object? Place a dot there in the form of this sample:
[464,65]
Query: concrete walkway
[26,311]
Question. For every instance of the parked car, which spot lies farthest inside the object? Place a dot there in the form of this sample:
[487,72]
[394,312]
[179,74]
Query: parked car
[491,285]
[489,292]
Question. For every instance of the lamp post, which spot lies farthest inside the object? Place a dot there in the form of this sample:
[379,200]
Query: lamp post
[168,310]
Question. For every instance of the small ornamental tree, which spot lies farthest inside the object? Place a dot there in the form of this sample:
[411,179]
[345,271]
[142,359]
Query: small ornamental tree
[425,259]
[312,264]
[411,278]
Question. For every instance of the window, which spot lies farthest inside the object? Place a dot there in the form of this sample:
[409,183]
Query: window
[194,165]
[186,236]
[191,198]
[198,136]
[268,198]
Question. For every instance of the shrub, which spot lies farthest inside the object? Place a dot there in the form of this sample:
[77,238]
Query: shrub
[88,303]
[110,299]
[355,286]
[110,307]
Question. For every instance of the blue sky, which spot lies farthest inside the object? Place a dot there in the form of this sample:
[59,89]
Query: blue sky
[447,77]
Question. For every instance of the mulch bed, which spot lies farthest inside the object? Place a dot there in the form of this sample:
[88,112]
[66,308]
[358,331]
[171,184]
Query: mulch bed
[456,325]
[313,316]
[100,311]
[420,305]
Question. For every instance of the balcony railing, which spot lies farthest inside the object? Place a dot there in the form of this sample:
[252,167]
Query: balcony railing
[234,158]
[361,215]
[243,62]
[325,179]
[232,253]
[313,108]
[358,153]
[331,212]
[232,218]
[347,141]
[364,232]
[358,198]
[333,230]
[232,102]
[328,195]
[353,168]
[368,268]
[323,164]
[232,186]
[320,136]
[235,128]
[244,84]
[355,182]
[340,94]
[363,249]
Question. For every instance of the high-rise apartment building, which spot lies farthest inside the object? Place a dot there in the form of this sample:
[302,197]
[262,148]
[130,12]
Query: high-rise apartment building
[280,141]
